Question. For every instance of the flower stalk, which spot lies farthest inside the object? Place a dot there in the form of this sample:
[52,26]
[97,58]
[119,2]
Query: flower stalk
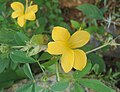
[17,47]
[41,67]
[96,48]
[57,71]
[111,43]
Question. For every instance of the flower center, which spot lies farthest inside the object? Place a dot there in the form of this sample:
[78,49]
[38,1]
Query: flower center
[68,45]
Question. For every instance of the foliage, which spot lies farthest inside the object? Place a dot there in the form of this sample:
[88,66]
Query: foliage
[91,11]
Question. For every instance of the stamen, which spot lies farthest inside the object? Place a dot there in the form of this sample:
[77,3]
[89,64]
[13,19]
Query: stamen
[80,29]
[31,3]
[26,4]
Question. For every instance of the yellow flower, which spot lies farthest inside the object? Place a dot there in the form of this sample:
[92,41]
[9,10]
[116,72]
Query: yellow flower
[66,45]
[23,14]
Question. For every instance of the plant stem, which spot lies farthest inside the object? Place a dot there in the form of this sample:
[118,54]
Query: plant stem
[116,44]
[109,43]
[57,72]
[41,68]
[16,47]
[96,48]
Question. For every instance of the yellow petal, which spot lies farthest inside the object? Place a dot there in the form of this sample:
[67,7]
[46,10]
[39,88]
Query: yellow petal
[16,14]
[60,34]
[17,6]
[21,21]
[80,59]
[56,48]
[33,8]
[67,61]
[79,39]
[30,16]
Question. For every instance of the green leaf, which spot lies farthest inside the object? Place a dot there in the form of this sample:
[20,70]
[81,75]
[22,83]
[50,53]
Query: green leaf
[6,81]
[3,65]
[29,87]
[1,18]
[83,25]
[77,88]
[25,88]
[45,90]
[12,76]
[75,24]
[95,68]
[21,57]
[101,30]
[50,62]
[118,65]
[37,49]
[92,29]
[4,62]
[42,22]
[115,75]
[39,2]
[96,59]
[21,38]
[91,11]
[7,37]
[6,84]
[87,47]
[60,86]
[1,90]
[39,39]
[78,74]
[13,65]
[4,76]
[45,56]
[19,72]
[27,71]
[30,24]
[36,88]
[95,85]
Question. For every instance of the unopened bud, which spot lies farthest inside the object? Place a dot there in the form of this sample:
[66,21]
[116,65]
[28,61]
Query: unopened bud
[39,39]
